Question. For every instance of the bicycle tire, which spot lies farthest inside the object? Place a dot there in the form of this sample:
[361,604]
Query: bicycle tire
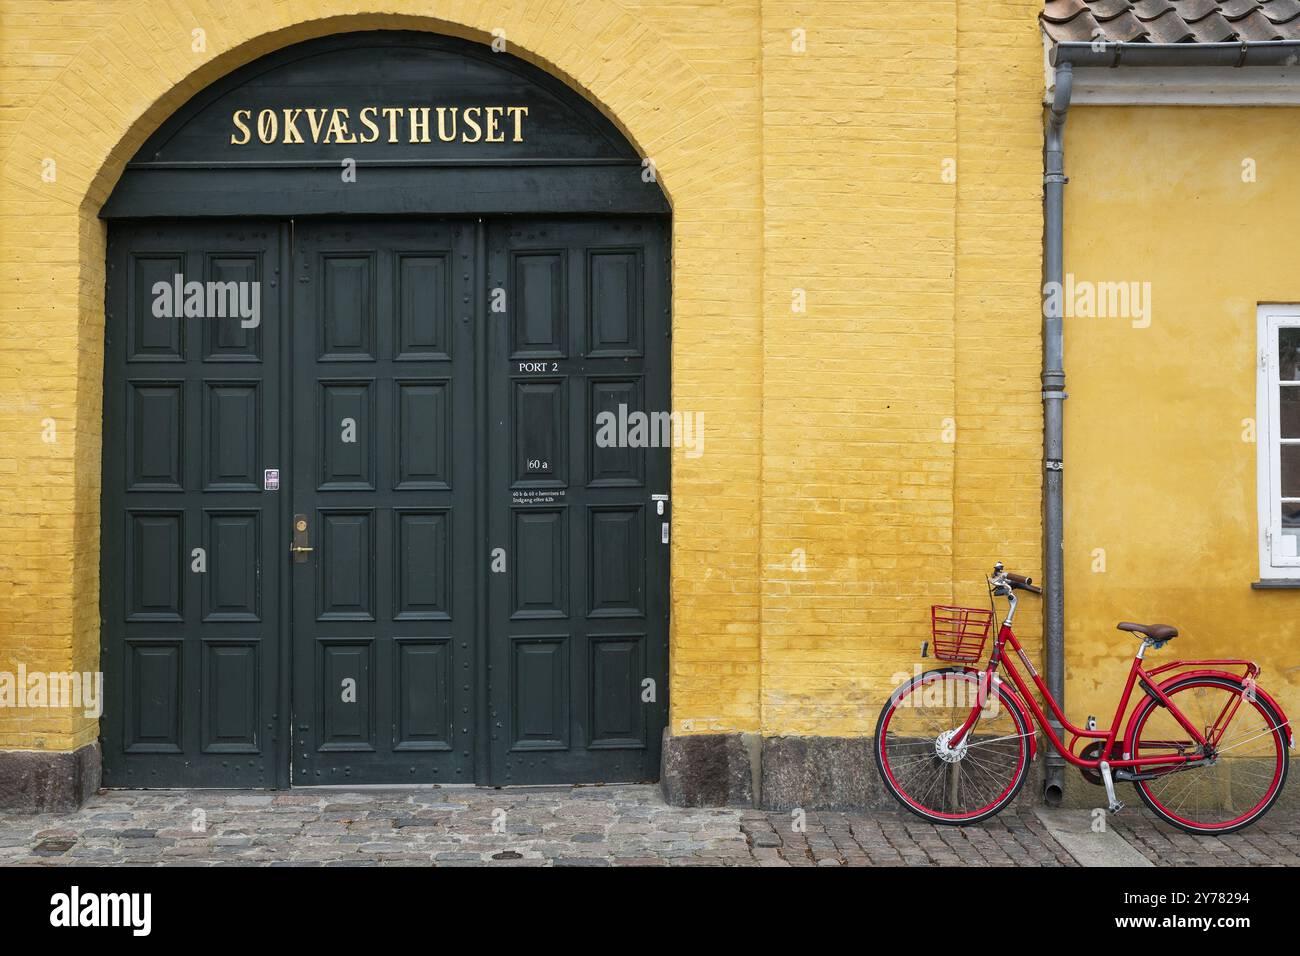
[1237,685]
[1025,729]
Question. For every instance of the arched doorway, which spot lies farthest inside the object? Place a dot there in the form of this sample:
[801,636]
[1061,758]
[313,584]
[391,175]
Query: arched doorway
[366,298]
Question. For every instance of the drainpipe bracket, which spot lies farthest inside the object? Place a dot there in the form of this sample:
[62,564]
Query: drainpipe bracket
[1054,464]
[1052,179]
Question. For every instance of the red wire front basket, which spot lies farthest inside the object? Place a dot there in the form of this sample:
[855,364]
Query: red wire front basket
[959,633]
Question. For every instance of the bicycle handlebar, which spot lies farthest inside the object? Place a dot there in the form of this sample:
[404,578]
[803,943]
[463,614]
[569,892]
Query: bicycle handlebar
[1023,584]
[1016,582]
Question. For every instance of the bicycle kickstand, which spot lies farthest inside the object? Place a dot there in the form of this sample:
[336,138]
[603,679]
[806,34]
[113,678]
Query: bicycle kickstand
[1116,805]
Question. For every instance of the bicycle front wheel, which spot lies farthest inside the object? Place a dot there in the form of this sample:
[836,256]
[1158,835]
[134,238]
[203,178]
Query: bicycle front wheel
[946,783]
[1248,755]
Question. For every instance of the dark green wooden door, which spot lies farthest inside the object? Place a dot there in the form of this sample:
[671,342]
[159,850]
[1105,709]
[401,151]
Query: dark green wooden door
[577,613]
[478,590]
[190,590]
[383,475]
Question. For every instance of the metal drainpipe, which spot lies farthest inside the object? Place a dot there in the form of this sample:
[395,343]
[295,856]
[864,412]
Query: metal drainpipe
[1053,411]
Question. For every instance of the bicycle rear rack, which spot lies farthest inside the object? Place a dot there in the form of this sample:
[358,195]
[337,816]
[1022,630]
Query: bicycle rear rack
[1250,670]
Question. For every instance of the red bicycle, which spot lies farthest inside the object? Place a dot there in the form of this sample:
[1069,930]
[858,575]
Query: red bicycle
[1206,747]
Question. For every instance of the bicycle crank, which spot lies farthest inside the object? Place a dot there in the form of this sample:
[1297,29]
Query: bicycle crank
[1116,805]
[1094,752]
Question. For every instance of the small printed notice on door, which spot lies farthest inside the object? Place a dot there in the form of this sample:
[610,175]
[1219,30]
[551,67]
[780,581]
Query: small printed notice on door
[271,479]
[537,496]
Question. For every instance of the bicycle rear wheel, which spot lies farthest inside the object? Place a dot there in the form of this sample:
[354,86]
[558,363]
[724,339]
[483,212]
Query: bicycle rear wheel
[945,784]
[1250,758]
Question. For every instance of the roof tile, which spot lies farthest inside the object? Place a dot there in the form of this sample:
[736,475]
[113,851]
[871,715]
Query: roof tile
[1171,21]
[1282,11]
[1106,9]
[1233,9]
[1169,28]
[1150,9]
[1126,28]
[1256,26]
[1193,10]
[1213,28]
[1077,29]
[1059,11]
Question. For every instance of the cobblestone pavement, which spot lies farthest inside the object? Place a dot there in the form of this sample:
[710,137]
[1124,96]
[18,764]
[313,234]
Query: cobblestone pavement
[1013,838]
[1273,841]
[561,826]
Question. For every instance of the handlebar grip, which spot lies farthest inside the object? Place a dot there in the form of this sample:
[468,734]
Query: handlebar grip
[1020,582]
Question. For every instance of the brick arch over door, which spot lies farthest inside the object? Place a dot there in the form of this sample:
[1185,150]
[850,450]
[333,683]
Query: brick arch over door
[117,88]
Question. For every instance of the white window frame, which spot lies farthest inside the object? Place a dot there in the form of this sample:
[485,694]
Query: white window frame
[1272,563]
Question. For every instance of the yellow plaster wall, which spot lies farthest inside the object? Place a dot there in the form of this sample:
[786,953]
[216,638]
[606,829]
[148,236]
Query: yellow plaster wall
[1160,479]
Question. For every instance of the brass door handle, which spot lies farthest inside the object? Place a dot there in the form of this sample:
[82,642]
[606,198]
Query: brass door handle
[299,547]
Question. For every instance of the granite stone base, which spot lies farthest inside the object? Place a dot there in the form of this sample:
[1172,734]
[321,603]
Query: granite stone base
[34,781]
[809,773]
[821,773]
[709,770]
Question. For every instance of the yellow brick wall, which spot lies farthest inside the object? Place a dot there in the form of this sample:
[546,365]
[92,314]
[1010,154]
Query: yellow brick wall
[858,486]
[901,415]
[997,512]
[827,430]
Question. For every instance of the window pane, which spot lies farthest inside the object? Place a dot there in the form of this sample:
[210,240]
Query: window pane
[1289,403]
[1290,471]
[1288,353]
[1289,545]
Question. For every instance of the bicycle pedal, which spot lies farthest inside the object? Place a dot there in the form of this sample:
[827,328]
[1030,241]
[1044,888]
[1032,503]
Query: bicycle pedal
[1115,805]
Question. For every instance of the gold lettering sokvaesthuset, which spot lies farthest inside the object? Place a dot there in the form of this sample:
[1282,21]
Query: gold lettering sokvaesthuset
[394,124]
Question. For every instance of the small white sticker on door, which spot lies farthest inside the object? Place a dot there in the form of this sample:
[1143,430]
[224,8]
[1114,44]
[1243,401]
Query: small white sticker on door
[664,537]
[271,479]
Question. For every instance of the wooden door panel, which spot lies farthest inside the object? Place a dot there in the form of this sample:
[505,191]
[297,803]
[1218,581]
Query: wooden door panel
[577,623]
[384,458]
[191,540]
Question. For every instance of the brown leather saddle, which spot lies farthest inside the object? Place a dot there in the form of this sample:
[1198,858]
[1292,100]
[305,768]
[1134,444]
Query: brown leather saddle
[1155,632]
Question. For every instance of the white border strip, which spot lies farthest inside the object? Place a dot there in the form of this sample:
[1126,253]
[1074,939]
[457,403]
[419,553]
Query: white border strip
[1177,86]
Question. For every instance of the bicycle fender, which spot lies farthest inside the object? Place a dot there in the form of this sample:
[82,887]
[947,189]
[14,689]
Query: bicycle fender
[1164,686]
[1014,697]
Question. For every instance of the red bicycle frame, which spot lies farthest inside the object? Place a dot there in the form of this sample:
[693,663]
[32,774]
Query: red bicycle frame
[1203,737]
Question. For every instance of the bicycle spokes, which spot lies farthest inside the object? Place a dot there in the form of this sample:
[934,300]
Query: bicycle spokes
[1242,761]
[930,769]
